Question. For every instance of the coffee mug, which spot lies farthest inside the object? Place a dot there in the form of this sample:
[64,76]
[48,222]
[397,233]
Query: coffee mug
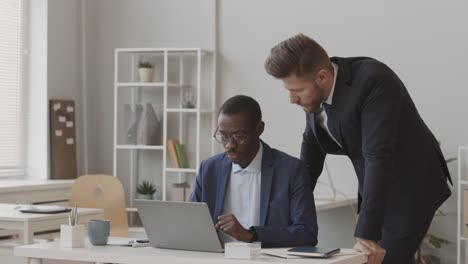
[98,232]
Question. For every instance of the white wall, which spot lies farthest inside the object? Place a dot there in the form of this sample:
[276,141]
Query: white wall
[144,23]
[423,41]
[427,51]
[64,62]
[37,91]
[90,40]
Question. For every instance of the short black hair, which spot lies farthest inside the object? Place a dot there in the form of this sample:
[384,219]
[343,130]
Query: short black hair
[242,104]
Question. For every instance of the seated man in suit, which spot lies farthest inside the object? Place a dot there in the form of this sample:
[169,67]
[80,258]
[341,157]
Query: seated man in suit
[254,192]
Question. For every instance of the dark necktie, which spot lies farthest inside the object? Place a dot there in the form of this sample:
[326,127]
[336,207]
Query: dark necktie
[327,143]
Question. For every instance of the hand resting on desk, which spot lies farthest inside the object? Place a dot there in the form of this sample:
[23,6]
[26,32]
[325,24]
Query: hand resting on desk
[229,224]
[375,253]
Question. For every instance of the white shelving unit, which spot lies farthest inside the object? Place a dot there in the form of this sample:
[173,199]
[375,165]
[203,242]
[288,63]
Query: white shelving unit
[175,69]
[462,185]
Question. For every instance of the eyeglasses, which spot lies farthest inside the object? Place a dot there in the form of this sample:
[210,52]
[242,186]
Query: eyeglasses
[223,138]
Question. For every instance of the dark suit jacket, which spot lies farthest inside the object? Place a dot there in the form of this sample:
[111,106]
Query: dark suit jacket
[401,170]
[287,216]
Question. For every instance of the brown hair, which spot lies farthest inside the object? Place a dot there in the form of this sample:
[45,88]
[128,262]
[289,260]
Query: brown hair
[298,54]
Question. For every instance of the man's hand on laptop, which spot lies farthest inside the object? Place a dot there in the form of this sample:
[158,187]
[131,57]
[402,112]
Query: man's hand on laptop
[228,224]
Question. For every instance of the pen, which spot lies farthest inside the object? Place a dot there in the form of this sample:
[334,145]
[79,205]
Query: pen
[70,218]
[73,217]
[76,215]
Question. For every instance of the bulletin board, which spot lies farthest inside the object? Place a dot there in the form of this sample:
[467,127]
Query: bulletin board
[62,139]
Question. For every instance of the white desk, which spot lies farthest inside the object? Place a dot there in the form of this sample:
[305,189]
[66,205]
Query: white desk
[12,219]
[326,204]
[34,191]
[129,255]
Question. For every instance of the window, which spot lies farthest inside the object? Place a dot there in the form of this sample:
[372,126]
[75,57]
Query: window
[12,89]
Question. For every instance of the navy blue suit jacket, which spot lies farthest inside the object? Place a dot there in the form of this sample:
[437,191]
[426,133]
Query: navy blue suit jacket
[287,216]
[401,170]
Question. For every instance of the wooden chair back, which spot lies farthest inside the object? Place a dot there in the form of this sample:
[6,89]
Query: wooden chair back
[105,192]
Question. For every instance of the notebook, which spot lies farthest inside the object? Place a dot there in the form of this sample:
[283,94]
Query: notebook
[314,252]
[42,209]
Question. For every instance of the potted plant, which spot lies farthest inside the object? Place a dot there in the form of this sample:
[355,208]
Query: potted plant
[145,70]
[146,190]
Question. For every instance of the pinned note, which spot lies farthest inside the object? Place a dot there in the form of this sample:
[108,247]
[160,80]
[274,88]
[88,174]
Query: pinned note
[70,109]
[70,141]
[62,119]
[69,123]
[58,133]
[57,106]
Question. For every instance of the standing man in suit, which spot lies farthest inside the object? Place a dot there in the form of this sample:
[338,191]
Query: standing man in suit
[254,192]
[360,108]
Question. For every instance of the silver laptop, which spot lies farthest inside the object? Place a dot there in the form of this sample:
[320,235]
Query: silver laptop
[179,225]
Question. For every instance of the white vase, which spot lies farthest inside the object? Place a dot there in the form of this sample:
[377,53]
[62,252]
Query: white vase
[146,74]
[145,196]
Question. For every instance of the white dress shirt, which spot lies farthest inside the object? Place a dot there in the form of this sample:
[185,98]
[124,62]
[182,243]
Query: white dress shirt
[243,193]
[322,117]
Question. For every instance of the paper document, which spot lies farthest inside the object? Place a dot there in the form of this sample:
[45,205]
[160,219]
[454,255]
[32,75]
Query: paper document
[129,243]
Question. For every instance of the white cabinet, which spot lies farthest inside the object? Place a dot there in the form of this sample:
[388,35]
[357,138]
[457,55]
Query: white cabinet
[179,73]
[462,204]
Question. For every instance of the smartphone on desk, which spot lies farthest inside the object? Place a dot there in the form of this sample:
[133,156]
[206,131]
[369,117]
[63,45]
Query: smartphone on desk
[141,243]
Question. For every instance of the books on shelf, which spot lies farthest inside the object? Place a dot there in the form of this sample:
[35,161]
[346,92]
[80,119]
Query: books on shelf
[182,156]
[177,154]
[171,148]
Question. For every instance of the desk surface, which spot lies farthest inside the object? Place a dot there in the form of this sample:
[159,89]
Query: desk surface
[320,204]
[129,255]
[326,204]
[8,185]
[13,187]
[8,213]
[11,219]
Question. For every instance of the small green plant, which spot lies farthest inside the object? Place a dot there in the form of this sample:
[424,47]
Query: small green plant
[145,64]
[146,188]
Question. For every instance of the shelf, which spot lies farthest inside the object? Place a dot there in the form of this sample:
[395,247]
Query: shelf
[171,50]
[463,238]
[139,147]
[148,84]
[187,110]
[192,68]
[181,170]
[463,182]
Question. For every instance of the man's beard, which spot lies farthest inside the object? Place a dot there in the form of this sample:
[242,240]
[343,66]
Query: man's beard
[313,107]
[309,109]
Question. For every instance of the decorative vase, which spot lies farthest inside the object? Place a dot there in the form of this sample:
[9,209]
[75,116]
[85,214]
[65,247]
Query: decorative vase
[145,196]
[188,98]
[146,74]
